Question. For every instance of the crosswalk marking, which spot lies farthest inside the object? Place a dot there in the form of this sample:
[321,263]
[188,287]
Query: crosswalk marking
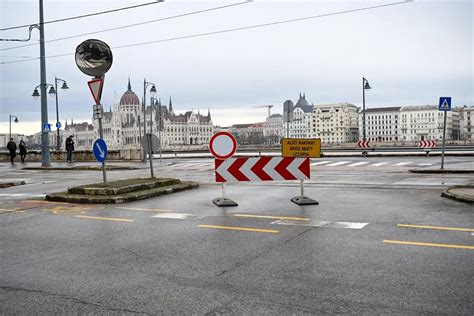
[320,163]
[338,163]
[360,163]
[378,164]
[403,163]
[328,224]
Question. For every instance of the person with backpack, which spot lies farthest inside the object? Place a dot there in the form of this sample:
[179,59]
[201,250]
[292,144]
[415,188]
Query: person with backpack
[11,146]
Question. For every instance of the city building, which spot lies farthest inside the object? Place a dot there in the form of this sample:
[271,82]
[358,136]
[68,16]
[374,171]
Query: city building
[123,126]
[300,127]
[426,123]
[466,123]
[273,129]
[381,124]
[335,123]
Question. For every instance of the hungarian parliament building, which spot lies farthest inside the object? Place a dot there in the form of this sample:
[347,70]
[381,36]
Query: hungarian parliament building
[123,126]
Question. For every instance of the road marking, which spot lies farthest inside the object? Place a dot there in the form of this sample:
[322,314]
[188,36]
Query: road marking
[241,229]
[403,163]
[174,215]
[360,163]
[378,164]
[143,209]
[349,225]
[105,218]
[425,164]
[437,227]
[320,163]
[399,242]
[338,163]
[273,217]
[44,202]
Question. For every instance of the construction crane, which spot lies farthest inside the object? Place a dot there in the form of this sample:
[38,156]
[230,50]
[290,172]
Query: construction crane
[269,107]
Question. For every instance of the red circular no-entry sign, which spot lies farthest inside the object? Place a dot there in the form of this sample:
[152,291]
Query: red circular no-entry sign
[223,145]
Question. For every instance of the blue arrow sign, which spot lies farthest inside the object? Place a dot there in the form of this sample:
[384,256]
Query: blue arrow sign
[46,128]
[444,104]
[58,125]
[100,150]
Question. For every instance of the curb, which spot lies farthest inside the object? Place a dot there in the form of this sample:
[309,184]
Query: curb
[441,171]
[4,185]
[123,198]
[83,168]
[456,197]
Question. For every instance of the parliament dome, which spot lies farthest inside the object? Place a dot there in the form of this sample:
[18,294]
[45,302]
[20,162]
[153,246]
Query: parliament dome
[129,97]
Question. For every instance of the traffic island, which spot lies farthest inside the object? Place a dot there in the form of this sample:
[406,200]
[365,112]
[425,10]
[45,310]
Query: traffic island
[4,185]
[441,171]
[460,193]
[121,191]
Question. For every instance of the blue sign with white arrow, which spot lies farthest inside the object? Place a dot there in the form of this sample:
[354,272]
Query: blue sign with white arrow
[58,125]
[46,128]
[100,150]
[444,104]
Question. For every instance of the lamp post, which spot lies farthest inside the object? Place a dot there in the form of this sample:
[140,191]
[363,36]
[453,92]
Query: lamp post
[64,87]
[365,86]
[16,121]
[152,92]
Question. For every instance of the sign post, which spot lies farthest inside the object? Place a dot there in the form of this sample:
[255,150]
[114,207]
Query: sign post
[94,58]
[223,146]
[150,144]
[444,105]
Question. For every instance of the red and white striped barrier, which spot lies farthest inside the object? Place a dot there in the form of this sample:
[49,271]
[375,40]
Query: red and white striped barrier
[427,144]
[262,169]
[363,144]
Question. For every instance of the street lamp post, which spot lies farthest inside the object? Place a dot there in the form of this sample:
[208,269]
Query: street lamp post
[365,86]
[64,87]
[152,92]
[16,121]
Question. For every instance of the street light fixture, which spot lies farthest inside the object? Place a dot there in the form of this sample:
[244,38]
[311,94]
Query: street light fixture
[152,92]
[16,121]
[365,86]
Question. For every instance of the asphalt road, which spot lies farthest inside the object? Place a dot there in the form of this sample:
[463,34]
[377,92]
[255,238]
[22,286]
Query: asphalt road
[381,241]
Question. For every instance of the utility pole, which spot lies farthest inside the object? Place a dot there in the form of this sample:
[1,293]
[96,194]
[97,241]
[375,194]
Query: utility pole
[45,155]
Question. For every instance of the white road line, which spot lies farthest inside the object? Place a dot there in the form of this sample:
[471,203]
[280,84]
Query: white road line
[403,163]
[328,224]
[173,215]
[360,163]
[320,163]
[425,164]
[338,163]
[378,164]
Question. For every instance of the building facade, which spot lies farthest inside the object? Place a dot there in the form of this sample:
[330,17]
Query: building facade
[381,124]
[123,126]
[273,129]
[300,127]
[335,123]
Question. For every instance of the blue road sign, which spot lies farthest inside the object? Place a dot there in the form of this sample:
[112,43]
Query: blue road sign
[46,128]
[100,150]
[444,104]
[58,125]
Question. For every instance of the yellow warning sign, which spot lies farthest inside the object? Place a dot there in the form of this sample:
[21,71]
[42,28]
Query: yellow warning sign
[301,147]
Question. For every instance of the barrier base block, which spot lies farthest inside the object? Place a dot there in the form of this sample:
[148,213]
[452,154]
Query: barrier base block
[303,200]
[221,202]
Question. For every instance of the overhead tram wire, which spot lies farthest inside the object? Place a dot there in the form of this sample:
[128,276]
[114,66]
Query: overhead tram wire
[230,30]
[132,25]
[85,15]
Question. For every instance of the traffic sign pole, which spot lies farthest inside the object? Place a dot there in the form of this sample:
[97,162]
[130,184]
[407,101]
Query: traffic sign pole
[150,153]
[444,141]
[101,135]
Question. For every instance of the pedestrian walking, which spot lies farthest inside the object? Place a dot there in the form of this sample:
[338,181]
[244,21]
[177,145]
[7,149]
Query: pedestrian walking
[23,150]
[69,147]
[11,146]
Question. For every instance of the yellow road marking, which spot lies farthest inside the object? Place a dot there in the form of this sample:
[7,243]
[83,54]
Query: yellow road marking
[144,209]
[105,218]
[44,202]
[437,227]
[70,210]
[428,244]
[273,217]
[241,229]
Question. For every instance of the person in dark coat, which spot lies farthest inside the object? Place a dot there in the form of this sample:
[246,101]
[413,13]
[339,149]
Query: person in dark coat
[69,147]
[23,150]
[11,146]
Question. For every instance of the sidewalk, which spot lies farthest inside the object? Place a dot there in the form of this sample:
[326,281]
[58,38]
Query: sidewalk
[462,193]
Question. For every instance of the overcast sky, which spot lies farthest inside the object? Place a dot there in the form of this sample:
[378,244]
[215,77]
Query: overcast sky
[411,53]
